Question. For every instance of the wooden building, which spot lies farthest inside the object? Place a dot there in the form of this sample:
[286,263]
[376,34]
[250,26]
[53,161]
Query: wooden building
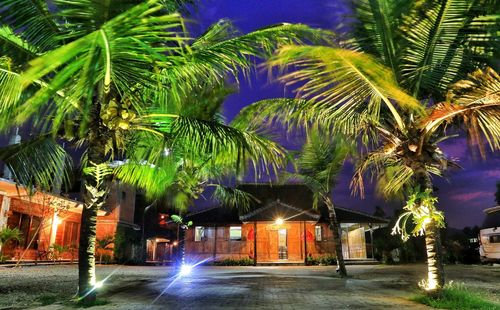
[281,226]
[47,219]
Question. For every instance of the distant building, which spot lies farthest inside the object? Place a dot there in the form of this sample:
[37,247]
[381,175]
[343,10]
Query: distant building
[47,219]
[281,227]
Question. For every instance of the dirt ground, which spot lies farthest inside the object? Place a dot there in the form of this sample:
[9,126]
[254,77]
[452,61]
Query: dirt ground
[129,287]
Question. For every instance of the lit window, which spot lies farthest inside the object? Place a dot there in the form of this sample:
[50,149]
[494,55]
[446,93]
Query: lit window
[235,233]
[318,233]
[199,233]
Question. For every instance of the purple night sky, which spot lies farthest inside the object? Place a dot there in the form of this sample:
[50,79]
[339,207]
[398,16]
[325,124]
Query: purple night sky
[463,195]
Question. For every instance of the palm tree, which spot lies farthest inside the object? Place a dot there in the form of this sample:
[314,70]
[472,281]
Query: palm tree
[8,234]
[93,72]
[396,84]
[319,165]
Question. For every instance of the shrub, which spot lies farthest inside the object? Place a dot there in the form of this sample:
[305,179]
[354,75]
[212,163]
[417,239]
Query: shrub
[323,260]
[234,262]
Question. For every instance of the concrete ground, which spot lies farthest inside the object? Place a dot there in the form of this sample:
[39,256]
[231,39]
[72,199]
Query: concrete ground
[298,287]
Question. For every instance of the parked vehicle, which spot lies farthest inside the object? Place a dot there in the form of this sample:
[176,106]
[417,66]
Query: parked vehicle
[489,237]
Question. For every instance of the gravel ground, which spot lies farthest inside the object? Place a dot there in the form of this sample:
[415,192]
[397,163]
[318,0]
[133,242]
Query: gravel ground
[381,287]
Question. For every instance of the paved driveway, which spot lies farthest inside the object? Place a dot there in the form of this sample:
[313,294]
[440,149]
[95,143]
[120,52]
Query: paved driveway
[265,288]
[368,287]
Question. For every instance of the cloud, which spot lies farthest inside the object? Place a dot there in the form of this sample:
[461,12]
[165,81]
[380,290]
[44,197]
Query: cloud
[470,196]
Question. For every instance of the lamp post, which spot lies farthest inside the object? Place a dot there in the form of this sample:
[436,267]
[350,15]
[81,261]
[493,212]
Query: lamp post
[143,239]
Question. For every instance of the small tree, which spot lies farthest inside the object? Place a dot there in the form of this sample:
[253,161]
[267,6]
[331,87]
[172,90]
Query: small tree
[8,234]
[183,226]
[103,244]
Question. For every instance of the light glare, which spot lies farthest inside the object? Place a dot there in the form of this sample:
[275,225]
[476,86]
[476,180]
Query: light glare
[186,270]
[99,284]
[279,221]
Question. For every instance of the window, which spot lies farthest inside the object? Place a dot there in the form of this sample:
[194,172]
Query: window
[318,233]
[28,225]
[199,233]
[235,233]
[495,239]
[70,233]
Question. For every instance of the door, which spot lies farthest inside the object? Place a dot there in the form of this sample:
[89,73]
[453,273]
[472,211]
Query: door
[282,244]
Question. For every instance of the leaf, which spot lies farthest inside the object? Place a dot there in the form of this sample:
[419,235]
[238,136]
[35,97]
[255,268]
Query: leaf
[340,82]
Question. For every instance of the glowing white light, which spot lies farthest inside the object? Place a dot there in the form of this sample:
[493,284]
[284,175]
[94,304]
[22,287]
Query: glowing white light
[99,284]
[186,270]
[279,221]
[175,243]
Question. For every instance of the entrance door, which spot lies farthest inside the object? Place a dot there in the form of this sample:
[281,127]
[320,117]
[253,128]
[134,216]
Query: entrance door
[282,245]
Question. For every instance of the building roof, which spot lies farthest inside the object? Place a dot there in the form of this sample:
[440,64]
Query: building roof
[277,209]
[289,201]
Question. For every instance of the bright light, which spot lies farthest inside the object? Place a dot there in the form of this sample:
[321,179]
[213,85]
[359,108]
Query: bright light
[99,284]
[279,221]
[175,243]
[186,270]
[58,221]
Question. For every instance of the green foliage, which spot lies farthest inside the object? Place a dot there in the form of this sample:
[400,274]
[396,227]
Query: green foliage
[104,242]
[322,260]
[234,262]
[9,234]
[457,296]
[421,210]
[56,251]
[125,239]
[39,163]
[97,192]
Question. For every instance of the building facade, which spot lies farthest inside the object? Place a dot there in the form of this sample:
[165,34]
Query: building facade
[281,226]
[49,221]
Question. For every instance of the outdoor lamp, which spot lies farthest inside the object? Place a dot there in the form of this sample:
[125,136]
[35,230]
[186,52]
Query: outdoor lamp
[279,221]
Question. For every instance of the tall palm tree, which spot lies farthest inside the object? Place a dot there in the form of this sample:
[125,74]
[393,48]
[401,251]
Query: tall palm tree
[396,84]
[319,165]
[92,71]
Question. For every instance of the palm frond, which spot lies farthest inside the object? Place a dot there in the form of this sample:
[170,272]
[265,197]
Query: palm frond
[122,52]
[10,88]
[341,82]
[475,104]
[224,144]
[15,47]
[291,113]
[233,197]
[438,44]
[33,20]
[376,31]
[40,163]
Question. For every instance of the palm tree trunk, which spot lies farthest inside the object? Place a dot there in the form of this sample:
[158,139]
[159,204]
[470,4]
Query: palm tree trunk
[182,246]
[435,269]
[87,244]
[334,226]
[435,277]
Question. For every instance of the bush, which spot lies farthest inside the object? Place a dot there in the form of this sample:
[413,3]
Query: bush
[234,262]
[324,260]
[127,249]
[456,296]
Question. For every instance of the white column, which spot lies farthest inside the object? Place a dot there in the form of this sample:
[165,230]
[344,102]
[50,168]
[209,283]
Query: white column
[3,211]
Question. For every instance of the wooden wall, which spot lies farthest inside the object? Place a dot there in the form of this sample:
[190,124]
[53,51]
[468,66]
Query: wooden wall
[221,247]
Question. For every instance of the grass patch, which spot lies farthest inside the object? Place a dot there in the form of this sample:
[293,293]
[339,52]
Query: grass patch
[48,299]
[457,296]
